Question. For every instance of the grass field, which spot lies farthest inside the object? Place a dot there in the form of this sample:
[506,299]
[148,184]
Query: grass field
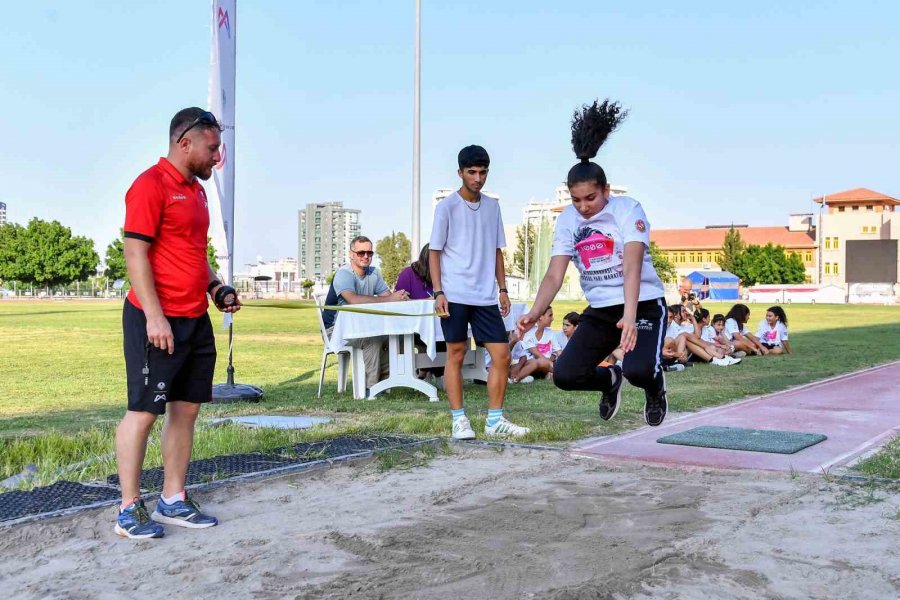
[62,375]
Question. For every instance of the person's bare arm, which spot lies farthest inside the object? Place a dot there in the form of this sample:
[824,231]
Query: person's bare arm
[632,264]
[501,282]
[137,261]
[388,296]
[441,306]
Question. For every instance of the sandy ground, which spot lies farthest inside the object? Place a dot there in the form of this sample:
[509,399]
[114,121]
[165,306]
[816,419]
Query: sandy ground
[485,524]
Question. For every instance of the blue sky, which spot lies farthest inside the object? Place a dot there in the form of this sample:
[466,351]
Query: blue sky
[738,113]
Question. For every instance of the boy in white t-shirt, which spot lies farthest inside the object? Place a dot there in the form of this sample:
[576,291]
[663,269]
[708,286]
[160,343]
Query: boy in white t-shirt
[466,265]
[538,343]
[607,237]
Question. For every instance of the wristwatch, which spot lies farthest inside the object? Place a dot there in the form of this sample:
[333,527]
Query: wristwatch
[504,291]
[438,293]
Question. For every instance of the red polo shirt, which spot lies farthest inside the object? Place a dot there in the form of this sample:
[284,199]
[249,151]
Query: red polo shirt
[170,212]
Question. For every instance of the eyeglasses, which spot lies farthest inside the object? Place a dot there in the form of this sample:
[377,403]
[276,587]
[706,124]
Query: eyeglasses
[207,118]
[364,253]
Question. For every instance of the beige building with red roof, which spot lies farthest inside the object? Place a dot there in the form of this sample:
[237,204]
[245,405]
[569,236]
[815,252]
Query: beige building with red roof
[859,241]
[846,220]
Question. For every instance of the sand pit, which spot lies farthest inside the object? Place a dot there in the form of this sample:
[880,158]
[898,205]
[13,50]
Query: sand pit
[485,524]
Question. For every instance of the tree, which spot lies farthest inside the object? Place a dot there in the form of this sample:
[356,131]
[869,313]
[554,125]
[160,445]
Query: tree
[769,264]
[115,259]
[732,249]
[307,285]
[11,251]
[211,255]
[664,267]
[518,261]
[394,253]
[49,255]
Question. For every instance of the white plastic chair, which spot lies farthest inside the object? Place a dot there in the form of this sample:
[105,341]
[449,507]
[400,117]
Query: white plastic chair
[344,354]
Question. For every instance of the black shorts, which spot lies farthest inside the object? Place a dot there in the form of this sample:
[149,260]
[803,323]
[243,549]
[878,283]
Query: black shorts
[770,346]
[155,376]
[486,321]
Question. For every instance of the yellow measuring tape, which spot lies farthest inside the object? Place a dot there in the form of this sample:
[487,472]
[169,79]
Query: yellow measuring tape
[351,309]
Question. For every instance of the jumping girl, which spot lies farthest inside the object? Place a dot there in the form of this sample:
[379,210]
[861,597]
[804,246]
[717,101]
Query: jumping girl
[608,237]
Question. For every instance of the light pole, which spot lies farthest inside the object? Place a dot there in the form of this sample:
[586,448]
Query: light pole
[417,94]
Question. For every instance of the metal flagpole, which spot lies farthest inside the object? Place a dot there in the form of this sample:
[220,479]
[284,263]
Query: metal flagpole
[417,151]
[225,19]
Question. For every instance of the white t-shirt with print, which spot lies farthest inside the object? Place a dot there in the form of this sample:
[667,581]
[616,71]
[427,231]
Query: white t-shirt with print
[772,335]
[559,341]
[597,246]
[544,344]
[468,235]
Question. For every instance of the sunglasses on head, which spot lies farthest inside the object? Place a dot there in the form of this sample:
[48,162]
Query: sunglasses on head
[364,253]
[207,118]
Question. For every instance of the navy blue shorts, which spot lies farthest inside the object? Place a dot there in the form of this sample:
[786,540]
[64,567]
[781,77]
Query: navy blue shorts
[487,324]
[155,376]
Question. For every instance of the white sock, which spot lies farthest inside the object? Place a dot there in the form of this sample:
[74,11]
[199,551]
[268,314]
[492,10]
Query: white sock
[173,499]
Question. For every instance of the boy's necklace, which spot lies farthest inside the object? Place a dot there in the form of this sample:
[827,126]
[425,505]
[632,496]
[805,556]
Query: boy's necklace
[468,203]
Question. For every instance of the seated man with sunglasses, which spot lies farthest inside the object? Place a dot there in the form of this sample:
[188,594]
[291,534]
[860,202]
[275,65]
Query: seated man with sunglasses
[361,283]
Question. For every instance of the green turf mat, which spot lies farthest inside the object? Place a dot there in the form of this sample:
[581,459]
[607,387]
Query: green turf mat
[750,440]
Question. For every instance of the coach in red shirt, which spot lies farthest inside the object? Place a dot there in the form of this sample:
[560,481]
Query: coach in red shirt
[170,351]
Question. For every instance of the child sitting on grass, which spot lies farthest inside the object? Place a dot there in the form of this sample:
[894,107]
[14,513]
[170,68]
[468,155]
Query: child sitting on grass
[518,359]
[772,331]
[737,333]
[538,343]
[561,338]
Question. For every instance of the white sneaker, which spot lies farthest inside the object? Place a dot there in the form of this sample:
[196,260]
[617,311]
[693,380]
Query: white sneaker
[721,362]
[462,429]
[527,379]
[504,428]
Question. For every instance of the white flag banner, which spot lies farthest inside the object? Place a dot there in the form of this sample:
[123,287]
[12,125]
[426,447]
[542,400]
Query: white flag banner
[221,104]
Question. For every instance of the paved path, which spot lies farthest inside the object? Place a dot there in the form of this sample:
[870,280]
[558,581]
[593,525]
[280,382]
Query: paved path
[856,411]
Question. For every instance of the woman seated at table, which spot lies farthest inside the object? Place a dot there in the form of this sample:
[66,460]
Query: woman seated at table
[416,280]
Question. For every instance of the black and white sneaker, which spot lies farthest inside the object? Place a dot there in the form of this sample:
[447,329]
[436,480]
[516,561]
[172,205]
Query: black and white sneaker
[655,407]
[610,400]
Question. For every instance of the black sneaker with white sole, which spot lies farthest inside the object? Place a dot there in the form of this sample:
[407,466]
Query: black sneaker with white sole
[655,407]
[610,400]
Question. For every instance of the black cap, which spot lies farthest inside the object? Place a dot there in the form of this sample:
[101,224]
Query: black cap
[473,156]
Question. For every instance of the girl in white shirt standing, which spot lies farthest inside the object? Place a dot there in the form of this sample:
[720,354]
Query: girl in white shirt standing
[773,332]
[608,237]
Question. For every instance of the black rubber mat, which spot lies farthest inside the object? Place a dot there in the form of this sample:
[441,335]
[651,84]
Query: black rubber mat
[67,494]
[58,496]
[225,467]
[213,469]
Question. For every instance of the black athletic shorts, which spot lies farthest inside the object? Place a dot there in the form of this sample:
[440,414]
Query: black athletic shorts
[770,346]
[486,321]
[155,376]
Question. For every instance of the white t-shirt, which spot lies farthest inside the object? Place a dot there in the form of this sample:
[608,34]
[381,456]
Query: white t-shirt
[597,246]
[708,334]
[674,329]
[559,341]
[772,335]
[468,236]
[544,344]
[732,327]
